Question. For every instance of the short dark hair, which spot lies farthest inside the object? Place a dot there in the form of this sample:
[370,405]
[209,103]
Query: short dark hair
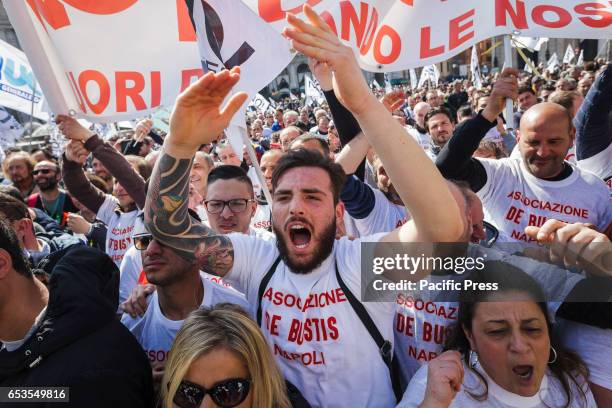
[526,88]
[229,172]
[466,111]
[564,98]
[12,191]
[10,243]
[441,110]
[309,158]
[13,209]
[310,136]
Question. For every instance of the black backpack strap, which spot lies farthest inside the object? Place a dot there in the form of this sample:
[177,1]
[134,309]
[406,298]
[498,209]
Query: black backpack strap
[263,285]
[384,346]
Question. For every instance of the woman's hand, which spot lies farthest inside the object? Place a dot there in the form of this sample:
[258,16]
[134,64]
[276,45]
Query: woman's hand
[444,379]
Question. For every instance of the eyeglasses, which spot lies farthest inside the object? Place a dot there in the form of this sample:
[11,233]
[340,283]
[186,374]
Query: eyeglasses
[236,205]
[41,171]
[142,241]
[226,394]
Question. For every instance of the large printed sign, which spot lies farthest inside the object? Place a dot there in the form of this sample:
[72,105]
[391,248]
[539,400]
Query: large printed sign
[117,59]
[18,87]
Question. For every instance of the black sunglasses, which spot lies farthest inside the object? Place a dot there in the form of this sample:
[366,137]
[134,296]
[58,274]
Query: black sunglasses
[42,171]
[226,394]
[142,241]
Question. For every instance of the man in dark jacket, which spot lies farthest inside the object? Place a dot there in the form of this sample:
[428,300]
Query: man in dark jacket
[68,335]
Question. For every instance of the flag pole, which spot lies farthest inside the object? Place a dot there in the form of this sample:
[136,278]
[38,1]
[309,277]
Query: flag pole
[508,63]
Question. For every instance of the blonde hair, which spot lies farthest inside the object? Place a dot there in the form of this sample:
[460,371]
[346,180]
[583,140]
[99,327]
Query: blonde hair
[225,326]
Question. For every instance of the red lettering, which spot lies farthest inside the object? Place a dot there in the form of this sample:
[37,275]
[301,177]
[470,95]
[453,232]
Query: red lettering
[426,50]
[274,325]
[503,8]
[458,26]
[396,45]
[187,76]
[133,92]
[103,87]
[514,214]
[271,10]
[604,18]
[54,12]
[563,16]
[75,90]
[349,18]
[331,325]
[370,32]
[330,21]
[185,27]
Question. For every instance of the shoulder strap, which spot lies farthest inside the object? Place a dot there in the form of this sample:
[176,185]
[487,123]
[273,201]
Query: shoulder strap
[263,285]
[384,346]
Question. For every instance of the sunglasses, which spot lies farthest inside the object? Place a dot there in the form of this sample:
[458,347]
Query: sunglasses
[142,241]
[41,171]
[226,394]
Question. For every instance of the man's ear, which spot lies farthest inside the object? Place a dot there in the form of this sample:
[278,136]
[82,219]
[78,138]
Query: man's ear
[518,135]
[6,263]
[253,208]
[339,212]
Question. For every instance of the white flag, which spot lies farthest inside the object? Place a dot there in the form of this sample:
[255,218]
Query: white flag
[580,61]
[528,65]
[259,103]
[10,129]
[413,79]
[569,55]
[553,63]
[230,34]
[475,69]
[431,73]
[375,85]
[313,91]
[388,87]
[436,74]
[530,43]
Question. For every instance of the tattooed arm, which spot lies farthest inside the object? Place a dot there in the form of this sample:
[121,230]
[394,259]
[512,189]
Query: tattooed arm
[196,120]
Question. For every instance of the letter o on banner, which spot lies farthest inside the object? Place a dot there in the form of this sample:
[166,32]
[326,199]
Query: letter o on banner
[396,45]
[103,86]
[563,16]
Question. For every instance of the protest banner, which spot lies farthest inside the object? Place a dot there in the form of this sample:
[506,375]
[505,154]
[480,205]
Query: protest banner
[91,58]
[18,86]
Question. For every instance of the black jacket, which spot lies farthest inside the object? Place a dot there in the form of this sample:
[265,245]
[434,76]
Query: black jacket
[80,343]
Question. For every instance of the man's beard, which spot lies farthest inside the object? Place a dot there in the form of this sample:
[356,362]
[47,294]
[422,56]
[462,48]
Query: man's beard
[47,185]
[321,252]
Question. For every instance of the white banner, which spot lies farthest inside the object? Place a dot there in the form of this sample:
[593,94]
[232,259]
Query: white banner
[580,61]
[413,79]
[393,35]
[569,54]
[18,86]
[553,63]
[119,59]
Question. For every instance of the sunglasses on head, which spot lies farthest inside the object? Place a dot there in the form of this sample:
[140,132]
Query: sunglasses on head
[226,394]
[41,171]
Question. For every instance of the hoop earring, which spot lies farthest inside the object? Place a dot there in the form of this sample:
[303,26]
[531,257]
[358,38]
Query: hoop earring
[555,353]
[473,358]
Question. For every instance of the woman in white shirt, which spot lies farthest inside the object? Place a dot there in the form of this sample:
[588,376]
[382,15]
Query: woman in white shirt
[501,354]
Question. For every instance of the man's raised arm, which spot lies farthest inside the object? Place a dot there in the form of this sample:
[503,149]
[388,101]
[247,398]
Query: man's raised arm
[436,215]
[197,119]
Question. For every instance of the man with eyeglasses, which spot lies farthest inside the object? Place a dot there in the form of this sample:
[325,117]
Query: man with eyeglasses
[181,289]
[50,198]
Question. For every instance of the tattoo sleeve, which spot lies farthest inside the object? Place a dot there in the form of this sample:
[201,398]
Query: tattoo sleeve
[167,218]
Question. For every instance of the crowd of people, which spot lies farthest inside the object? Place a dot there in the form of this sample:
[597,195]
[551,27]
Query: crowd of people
[146,270]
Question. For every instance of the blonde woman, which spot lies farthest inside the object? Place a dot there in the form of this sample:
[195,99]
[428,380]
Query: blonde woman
[220,357]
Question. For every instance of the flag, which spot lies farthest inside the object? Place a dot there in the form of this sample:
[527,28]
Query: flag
[413,79]
[580,61]
[375,85]
[230,34]
[388,87]
[313,91]
[475,69]
[10,129]
[259,103]
[569,55]
[531,43]
[553,63]
[431,73]
[528,65]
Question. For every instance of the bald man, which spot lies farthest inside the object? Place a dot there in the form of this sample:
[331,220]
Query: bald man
[419,132]
[540,185]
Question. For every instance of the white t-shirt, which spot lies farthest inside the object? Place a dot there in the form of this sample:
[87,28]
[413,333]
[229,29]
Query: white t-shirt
[385,216]
[421,326]
[600,165]
[593,346]
[317,339]
[130,270]
[513,199]
[423,139]
[155,332]
[252,173]
[551,393]
[120,227]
